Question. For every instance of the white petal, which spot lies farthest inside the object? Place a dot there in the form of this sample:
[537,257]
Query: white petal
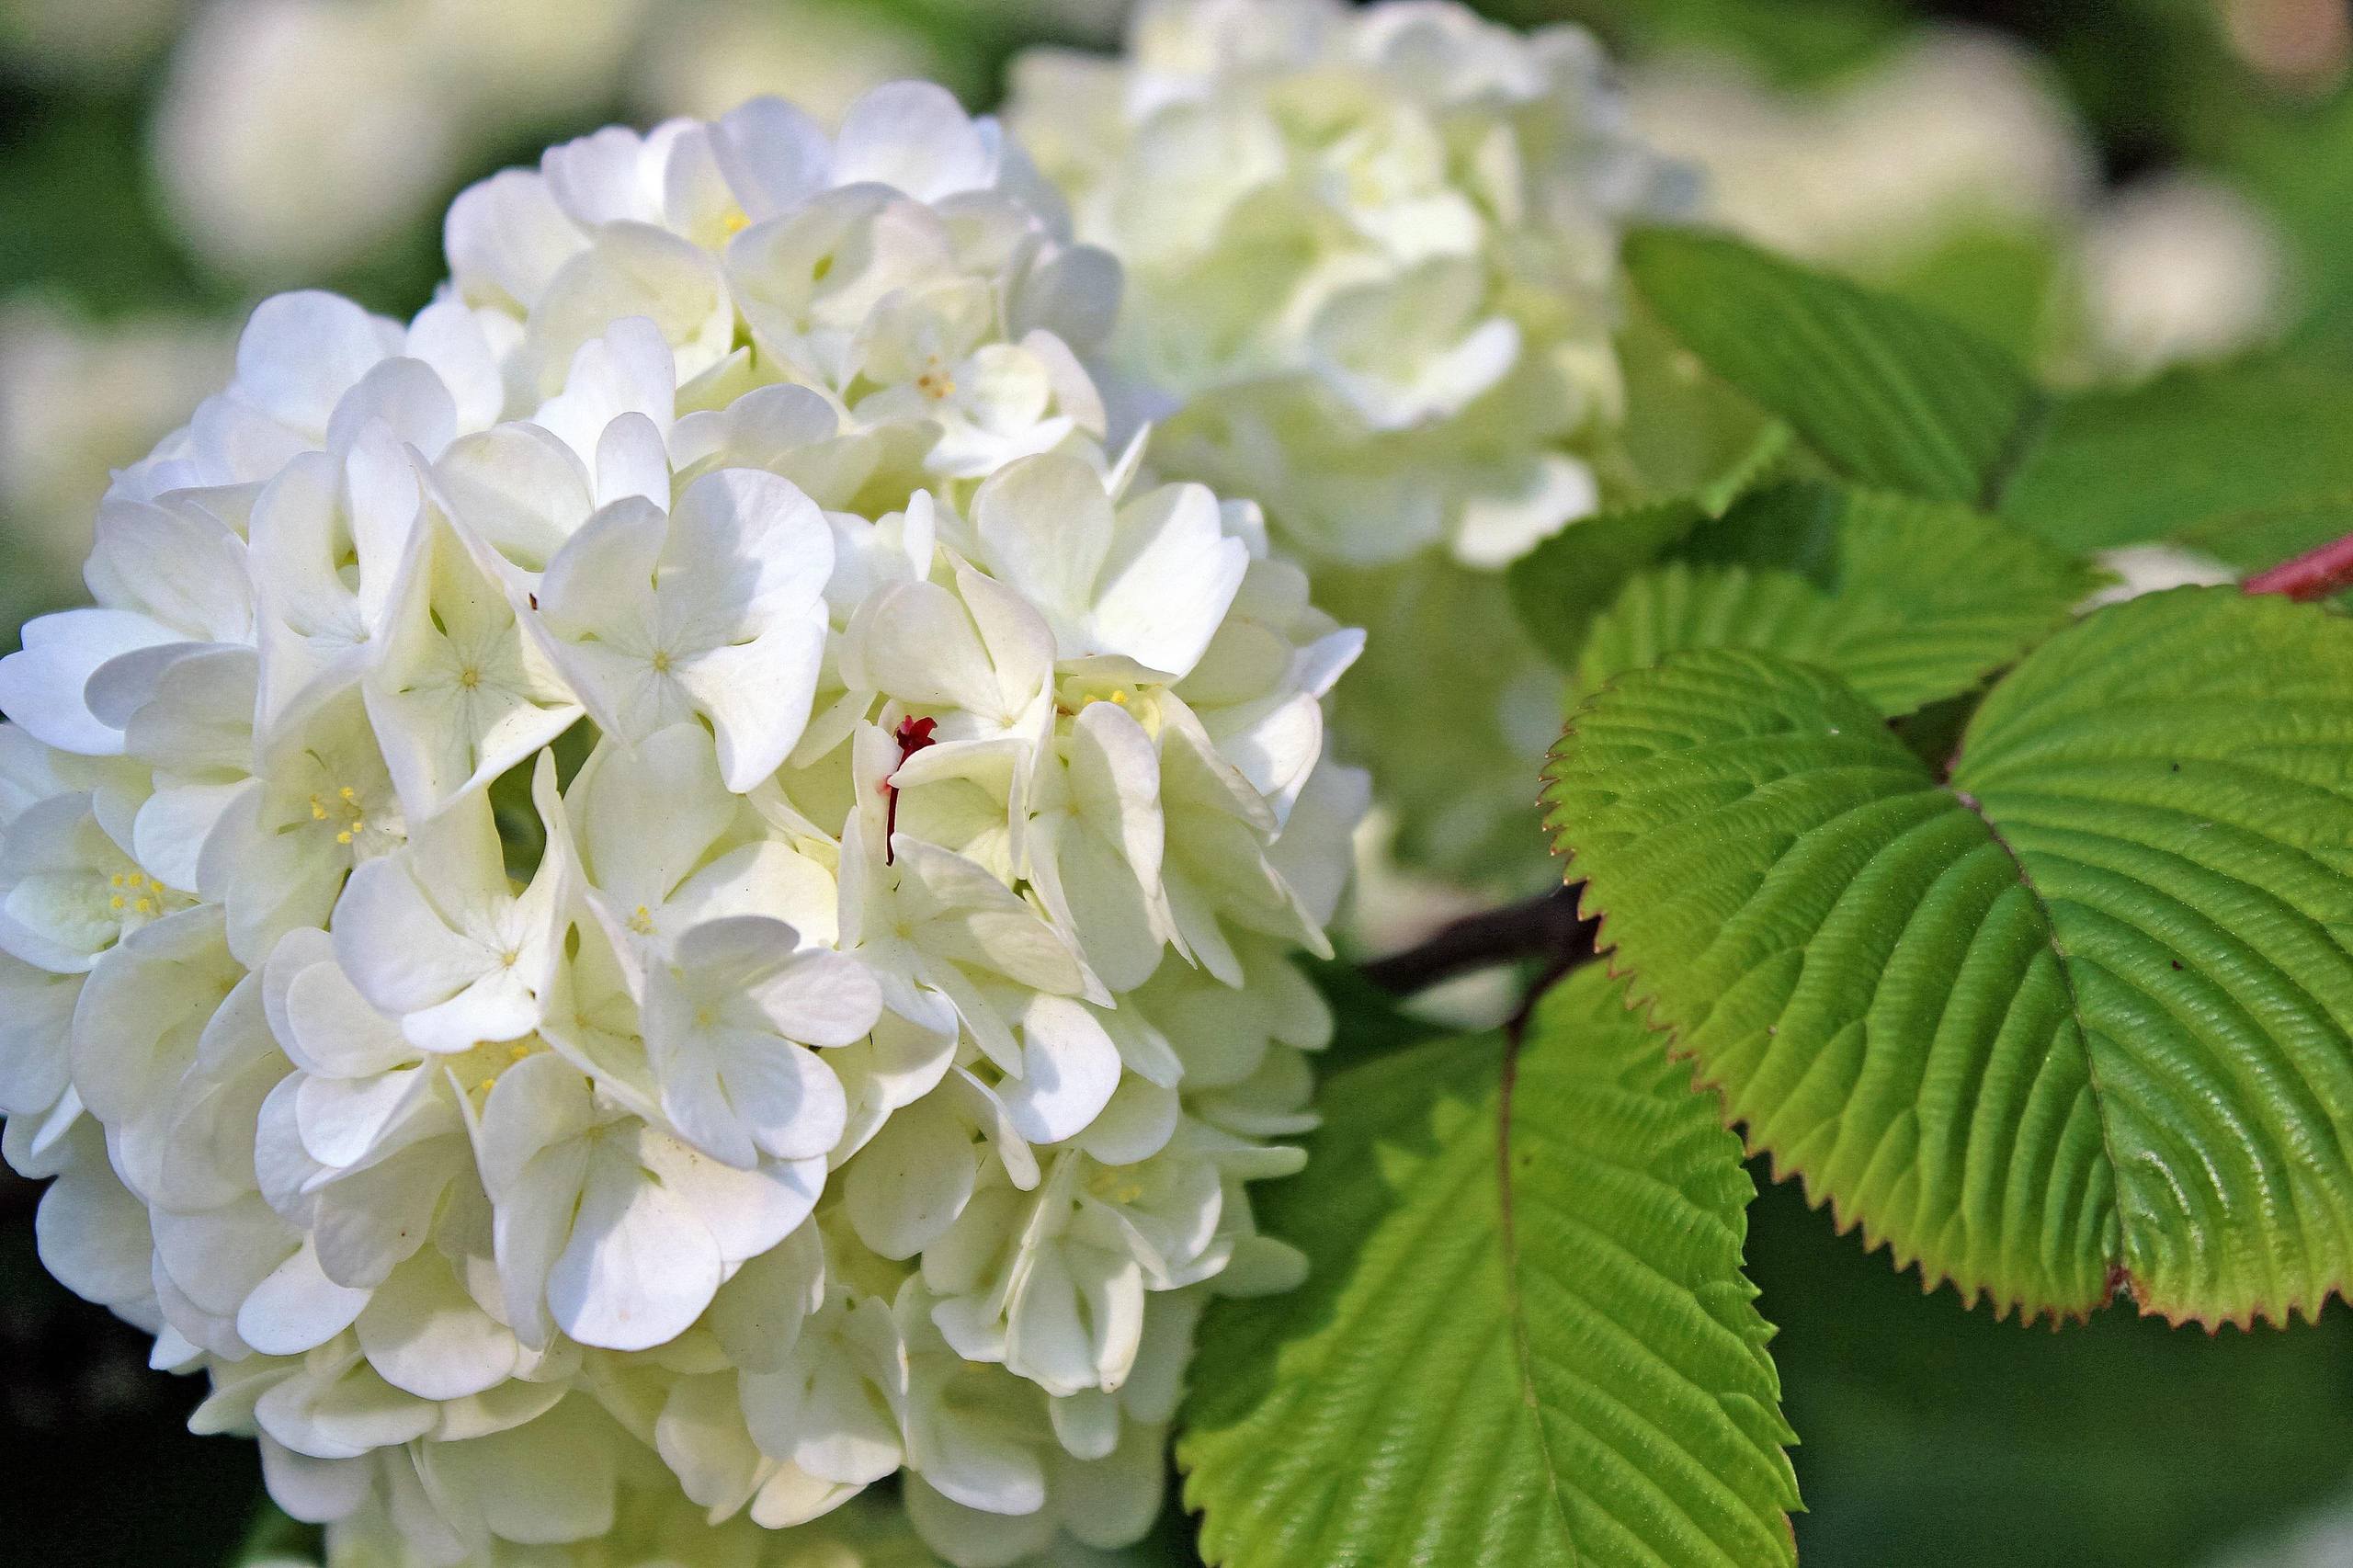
[1069,1068]
[915,137]
[41,684]
[297,1307]
[423,1333]
[639,1267]
[301,352]
[912,1180]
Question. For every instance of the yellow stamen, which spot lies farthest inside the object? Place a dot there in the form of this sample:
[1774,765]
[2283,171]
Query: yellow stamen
[1120,697]
[343,838]
[736,222]
[145,906]
[117,901]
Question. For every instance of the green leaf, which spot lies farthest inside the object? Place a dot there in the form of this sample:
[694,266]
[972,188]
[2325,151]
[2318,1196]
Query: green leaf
[1910,601]
[1686,435]
[2000,278]
[1679,605]
[2204,453]
[1888,394]
[2076,1020]
[2251,540]
[2235,460]
[1560,586]
[1525,1338]
[275,1540]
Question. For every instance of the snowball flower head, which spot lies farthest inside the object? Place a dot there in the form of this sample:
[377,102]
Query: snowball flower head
[663,893]
[1371,258]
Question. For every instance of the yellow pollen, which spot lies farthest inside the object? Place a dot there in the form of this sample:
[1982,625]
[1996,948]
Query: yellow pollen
[145,906]
[117,901]
[318,812]
[115,880]
[736,222]
[661,661]
[1120,697]
[642,922]
[349,793]
[470,678]
[517,1052]
[343,838]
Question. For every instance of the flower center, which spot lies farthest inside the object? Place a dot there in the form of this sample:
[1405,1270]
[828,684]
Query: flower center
[344,806]
[135,893]
[1115,1186]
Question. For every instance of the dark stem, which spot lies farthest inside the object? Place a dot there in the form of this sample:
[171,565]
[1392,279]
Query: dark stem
[1547,927]
[2318,573]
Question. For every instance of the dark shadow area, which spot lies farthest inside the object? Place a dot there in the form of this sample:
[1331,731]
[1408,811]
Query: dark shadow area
[1934,1434]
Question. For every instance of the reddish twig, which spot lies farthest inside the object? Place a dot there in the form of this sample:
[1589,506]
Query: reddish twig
[2320,572]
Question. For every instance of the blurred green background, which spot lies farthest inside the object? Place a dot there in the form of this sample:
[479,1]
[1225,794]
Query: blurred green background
[2111,188]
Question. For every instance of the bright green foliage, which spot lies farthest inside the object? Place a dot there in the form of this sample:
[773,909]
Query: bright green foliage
[1686,435]
[2212,454]
[1909,601]
[1889,395]
[2267,536]
[1679,605]
[1561,586]
[2246,461]
[2076,1019]
[1538,1354]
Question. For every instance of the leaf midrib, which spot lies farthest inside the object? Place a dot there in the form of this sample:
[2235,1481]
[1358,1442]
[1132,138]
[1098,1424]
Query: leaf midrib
[1515,1308]
[1557,1488]
[2118,1269]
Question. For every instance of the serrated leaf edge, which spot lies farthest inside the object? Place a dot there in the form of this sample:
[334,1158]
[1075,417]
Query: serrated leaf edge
[1645,1006]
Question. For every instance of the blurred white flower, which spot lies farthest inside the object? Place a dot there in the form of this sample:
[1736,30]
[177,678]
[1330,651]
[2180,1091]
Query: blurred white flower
[666,883]
[1953,131]
[291,134]
[1956,136]
[295,135]
[2152,568]
[2179,268]
[822,55]
[1373,258]
[78,399]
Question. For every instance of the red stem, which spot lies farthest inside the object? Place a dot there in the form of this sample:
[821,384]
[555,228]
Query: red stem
[2318,573]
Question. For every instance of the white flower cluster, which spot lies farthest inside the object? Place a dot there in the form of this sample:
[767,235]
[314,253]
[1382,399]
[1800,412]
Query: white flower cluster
[1371,258]
[665,881]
